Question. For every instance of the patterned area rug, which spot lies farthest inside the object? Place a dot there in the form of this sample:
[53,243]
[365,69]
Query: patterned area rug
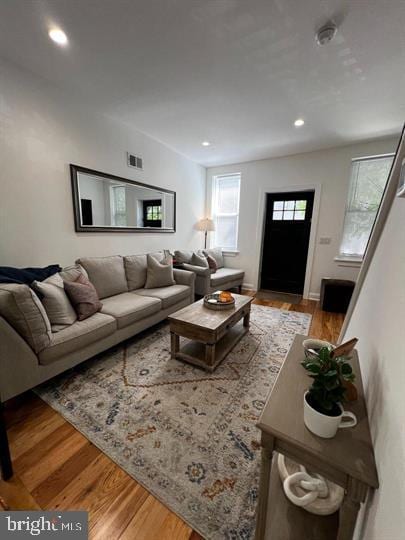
[187,435]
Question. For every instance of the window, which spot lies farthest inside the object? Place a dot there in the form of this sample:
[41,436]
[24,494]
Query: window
[289,210]
[118,206]
[367,184]
[225,210]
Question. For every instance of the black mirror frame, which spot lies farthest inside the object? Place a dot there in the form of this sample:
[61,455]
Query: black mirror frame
[74,169]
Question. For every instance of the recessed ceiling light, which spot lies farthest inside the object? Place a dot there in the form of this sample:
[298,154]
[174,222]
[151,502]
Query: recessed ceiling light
[58,36]
[206,143]
[325,34]
[299,122]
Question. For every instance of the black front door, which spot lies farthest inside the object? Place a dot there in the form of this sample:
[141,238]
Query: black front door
[286,239]
[152,213]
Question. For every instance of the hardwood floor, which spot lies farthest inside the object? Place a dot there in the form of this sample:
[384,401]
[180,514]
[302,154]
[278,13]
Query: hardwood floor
[56,467]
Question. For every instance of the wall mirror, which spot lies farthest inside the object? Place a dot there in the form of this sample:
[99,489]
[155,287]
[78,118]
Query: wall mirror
[107,203]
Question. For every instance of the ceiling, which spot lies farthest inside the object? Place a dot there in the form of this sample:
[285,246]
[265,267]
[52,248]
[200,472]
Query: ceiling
[234,72]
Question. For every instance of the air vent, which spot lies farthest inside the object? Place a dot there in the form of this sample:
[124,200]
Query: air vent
[134,161]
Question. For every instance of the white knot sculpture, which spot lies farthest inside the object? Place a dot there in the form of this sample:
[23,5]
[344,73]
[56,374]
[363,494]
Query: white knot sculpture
[312,492]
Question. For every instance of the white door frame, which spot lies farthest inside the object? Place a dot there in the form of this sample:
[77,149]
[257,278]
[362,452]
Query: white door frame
[312,237]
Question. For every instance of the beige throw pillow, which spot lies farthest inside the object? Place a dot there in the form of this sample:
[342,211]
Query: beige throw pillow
[158,274]
[56,302]
[71,273]
[199,260]
[183,256]
[135,270]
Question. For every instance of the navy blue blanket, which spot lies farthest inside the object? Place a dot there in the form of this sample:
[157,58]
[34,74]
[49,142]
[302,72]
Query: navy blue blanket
[8,274]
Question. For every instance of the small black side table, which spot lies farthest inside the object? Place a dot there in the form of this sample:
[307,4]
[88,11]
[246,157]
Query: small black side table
[5,459]
[336,294]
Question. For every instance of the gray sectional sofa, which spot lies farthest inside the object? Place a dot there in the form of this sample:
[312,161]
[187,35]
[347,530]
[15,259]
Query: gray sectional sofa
[32,352]
[208,281]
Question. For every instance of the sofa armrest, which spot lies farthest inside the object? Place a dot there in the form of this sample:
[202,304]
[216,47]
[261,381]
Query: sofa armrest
[18,363]
[199,270]
[203,278]
[183,277]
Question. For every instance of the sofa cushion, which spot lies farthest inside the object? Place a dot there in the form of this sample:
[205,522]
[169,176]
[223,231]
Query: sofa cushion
[127,308]
[77,336]
[183,256]
[107,274]
[56,302]
[224,275]
[168,295]
[158,274]
[22,309]
[216,253]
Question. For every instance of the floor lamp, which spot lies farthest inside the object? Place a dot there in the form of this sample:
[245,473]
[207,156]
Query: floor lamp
[205,225]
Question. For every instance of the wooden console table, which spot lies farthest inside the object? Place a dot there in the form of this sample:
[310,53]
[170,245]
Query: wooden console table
[348,459]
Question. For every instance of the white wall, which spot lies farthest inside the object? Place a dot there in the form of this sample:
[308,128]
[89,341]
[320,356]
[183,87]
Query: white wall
[329,172]
[378,321]
[42,130]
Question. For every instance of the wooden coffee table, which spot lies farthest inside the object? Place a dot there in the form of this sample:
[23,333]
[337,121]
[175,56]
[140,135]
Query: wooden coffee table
[212,333]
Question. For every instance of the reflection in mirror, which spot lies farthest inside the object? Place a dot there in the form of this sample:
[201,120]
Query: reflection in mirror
[105,201]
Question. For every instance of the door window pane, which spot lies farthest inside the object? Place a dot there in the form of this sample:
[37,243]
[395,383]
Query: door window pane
[289,205]
[300,205]
[289,210]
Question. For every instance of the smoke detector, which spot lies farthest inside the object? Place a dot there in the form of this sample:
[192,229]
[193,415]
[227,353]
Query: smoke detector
[325,34]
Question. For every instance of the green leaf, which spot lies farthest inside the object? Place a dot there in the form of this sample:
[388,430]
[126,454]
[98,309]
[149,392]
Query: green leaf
[324,354]
[314,368]
[332,373]
[346,369]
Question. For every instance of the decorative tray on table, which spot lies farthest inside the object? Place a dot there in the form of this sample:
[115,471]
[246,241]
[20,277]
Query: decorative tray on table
[219,301]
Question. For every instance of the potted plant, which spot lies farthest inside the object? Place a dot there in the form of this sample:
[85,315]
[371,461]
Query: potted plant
[323,411]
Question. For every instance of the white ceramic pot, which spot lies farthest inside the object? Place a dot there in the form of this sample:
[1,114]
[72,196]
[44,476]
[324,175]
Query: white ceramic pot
[312,346]
[326,426]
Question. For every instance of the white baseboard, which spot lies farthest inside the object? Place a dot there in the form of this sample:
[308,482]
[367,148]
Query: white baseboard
[314,296]
[248,286]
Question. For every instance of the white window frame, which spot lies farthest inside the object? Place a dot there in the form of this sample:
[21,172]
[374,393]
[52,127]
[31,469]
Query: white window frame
[347,259]
[216,215]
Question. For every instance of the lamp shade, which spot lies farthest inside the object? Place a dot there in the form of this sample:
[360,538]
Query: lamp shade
[206,224]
